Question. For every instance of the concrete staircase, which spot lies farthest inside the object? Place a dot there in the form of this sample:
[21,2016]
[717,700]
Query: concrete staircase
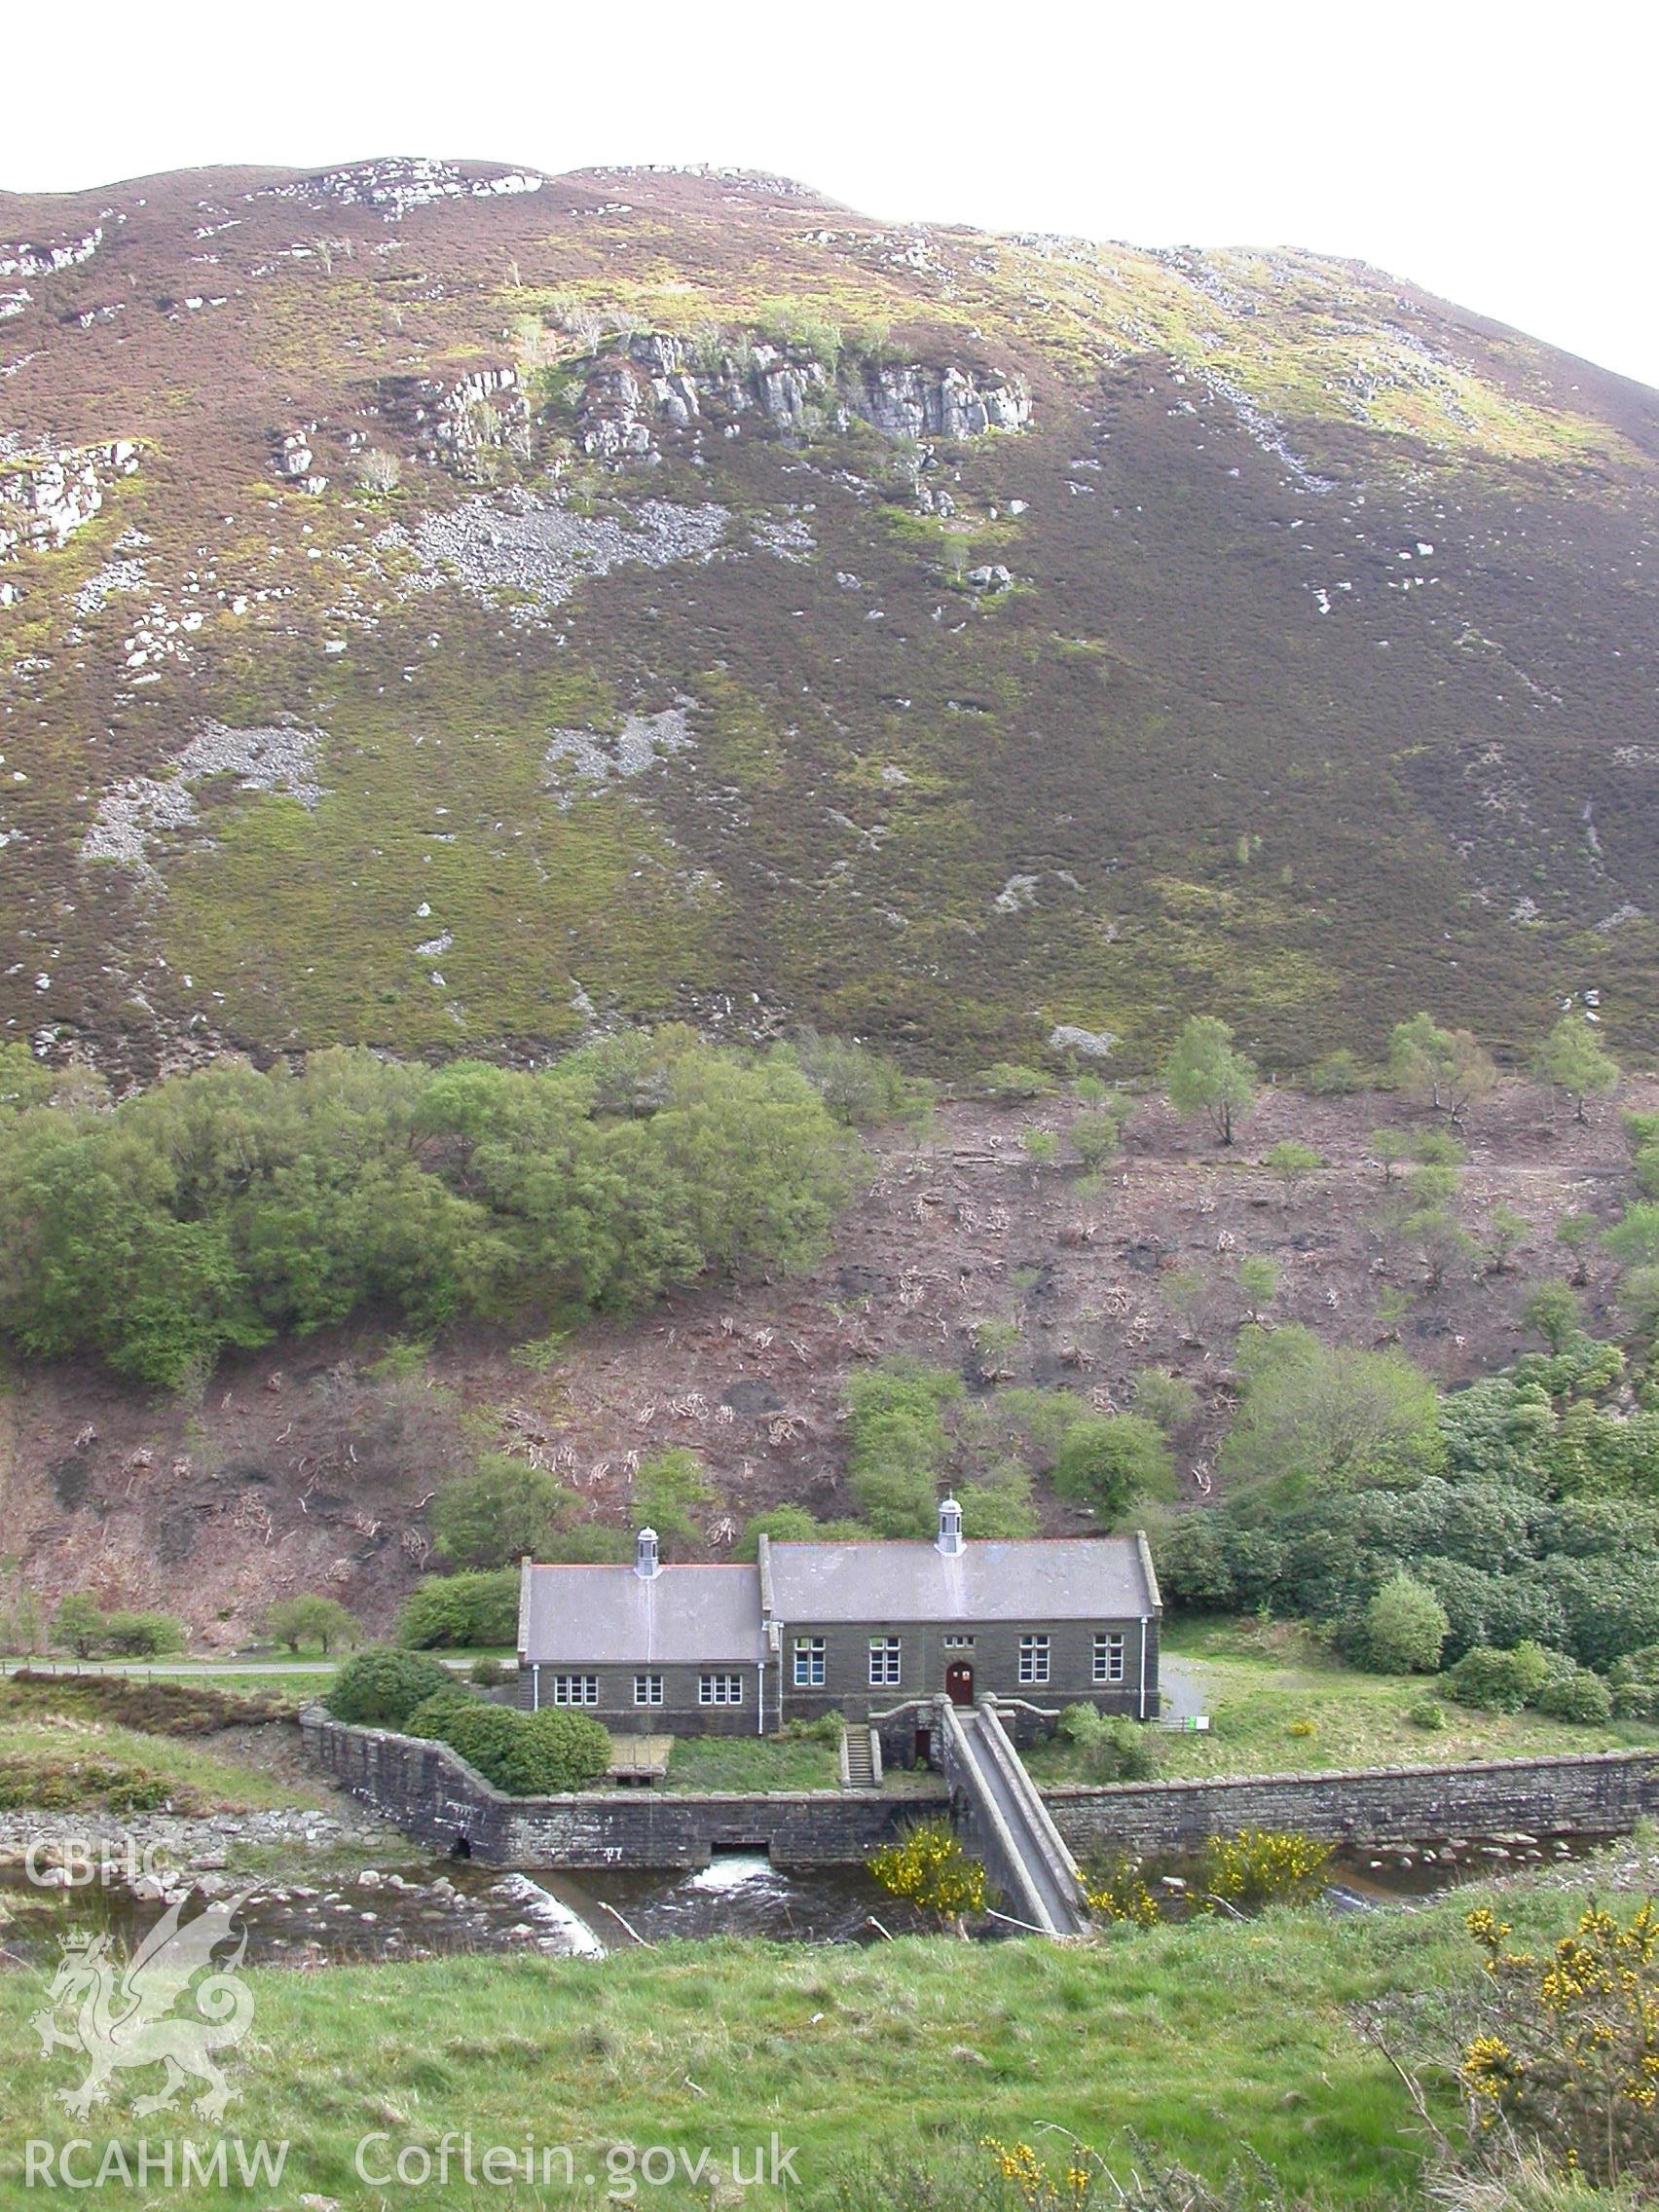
[1008,1823]
[858,1760]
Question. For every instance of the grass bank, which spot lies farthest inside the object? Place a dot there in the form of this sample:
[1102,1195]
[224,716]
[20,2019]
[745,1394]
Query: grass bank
[1280,1704]
[1208,2040]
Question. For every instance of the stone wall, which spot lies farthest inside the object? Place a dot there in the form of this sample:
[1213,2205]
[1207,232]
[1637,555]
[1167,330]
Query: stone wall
[1603,1793]
[431,1793]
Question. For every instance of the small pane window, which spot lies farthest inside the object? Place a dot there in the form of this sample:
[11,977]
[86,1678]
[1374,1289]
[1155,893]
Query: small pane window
[809,1663]
[1034,1658]
[1109,1656]
[647,1689]
[885,1657]
[720,1689]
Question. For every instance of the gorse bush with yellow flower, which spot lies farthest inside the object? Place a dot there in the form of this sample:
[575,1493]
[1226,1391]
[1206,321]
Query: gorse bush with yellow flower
[1570,2058]
[1118,1890]
[1260,1866]
[929,1869]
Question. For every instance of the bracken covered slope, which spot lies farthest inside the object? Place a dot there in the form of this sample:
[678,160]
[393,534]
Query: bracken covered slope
[444,607]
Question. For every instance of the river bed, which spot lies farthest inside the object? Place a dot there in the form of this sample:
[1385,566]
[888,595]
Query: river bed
[425,1908]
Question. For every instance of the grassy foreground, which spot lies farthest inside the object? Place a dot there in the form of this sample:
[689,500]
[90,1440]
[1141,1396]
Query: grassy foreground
[1206,2040]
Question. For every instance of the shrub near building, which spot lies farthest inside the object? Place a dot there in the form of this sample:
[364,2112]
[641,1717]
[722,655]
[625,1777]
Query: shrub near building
[528,1754]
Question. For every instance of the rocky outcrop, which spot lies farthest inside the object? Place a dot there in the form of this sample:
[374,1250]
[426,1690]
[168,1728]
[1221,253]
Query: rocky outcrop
[654,382]
[452,421]
[295,459]
[45,498]
[27,260]
[397,187]
[917,402]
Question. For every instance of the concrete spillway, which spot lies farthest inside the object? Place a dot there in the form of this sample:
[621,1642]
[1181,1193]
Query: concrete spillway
[1008,1821]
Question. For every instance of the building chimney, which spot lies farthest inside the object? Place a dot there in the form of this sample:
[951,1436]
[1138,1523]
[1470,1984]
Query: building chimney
[646,1561]
[949,1538]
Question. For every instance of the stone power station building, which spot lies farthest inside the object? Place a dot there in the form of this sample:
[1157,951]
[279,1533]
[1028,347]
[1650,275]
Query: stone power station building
[853,1628]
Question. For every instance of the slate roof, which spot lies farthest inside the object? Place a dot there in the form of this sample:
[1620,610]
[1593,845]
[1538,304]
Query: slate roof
[1065,1578]
[610,1616]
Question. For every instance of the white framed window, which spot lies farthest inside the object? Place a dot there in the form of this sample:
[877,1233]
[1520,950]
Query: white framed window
[886,1657]
[809,1662]
[720,1689]
[1034,1658]
[1109,1655]
[958,1642]
[647,1689]
[576,1689]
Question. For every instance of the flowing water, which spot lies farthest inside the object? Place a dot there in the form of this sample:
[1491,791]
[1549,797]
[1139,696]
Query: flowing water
[434,1908]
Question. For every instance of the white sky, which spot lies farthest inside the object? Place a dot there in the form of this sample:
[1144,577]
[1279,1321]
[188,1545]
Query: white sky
[1500,155]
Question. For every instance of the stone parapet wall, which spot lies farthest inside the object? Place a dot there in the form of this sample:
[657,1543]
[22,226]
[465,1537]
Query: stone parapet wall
[1603,1793]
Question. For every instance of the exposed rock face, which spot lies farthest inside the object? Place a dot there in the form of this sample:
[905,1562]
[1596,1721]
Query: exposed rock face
[395,187]
[45,498]
[947,403]
[453,420]
[25,260]
[654,384]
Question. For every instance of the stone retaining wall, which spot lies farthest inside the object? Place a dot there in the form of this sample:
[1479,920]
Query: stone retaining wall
[1600,1793]
[431,1793]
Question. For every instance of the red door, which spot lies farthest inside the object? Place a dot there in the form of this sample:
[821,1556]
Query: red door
[959,1683]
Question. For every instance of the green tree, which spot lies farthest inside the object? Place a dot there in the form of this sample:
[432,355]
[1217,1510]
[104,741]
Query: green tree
[1328,1416]
[1110,1459]
[860,1087]
[1258,1282]
[1446,1069]
[462,1611]
[1634,1241]
[144,1636]
[1008,1084]
[1042,1147]
[898,1443]
[1336,1073]
[1187,1293]
[1555,1312]
[1292,1163]
[1096,1138]
[1391,1149]
[1205,1075]
[312,1619]
[1169,1400]
[1405,1628]
[1506,1230]
[1439,1242]
[502,1510]
[995,1511]
[78,1624]
[1572,1059]
[788,1523]
[381,1687]
[668,1489]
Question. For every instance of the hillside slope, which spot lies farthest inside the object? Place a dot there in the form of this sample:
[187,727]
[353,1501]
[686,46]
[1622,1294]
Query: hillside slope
[447,607]
[313,1465]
